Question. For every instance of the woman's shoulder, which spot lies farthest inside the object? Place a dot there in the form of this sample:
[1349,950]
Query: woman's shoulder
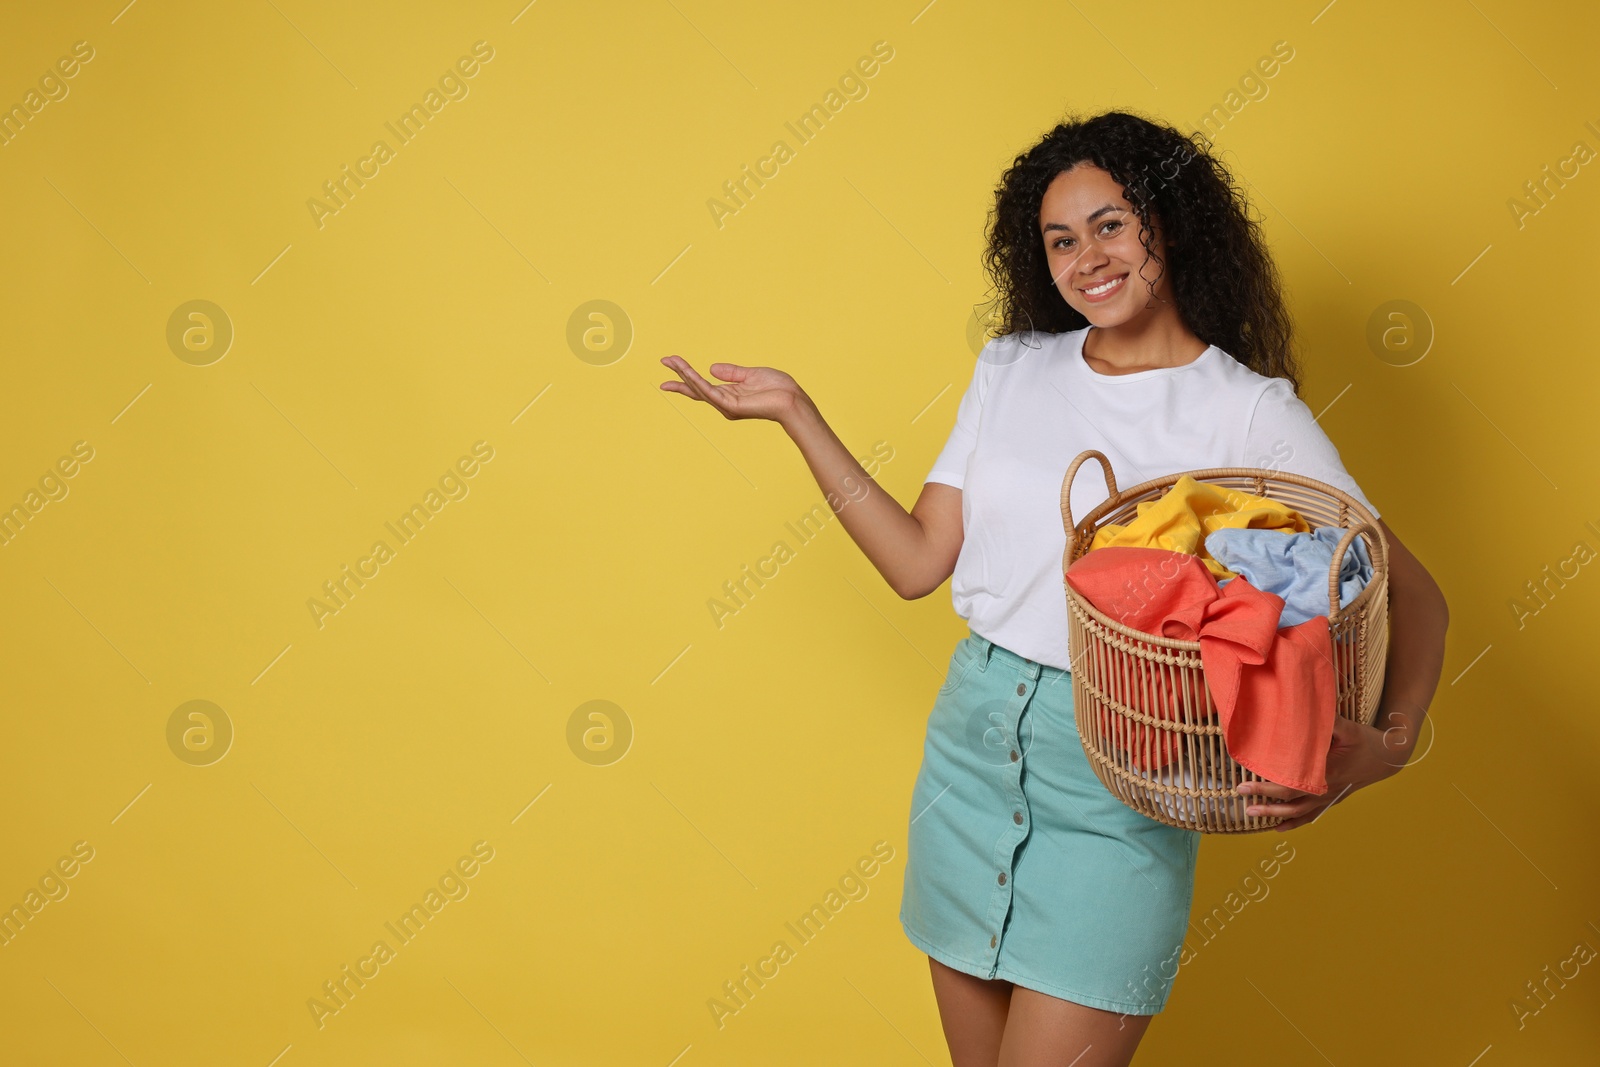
[1231,371]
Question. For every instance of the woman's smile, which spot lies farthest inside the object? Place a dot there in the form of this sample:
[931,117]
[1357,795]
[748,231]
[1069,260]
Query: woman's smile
[1104,289]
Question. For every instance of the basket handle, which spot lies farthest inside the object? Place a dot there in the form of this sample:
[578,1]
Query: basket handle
[1066,490]
[1338,561]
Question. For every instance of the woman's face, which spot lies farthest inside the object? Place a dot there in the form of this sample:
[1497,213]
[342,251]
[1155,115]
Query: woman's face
[1092,246]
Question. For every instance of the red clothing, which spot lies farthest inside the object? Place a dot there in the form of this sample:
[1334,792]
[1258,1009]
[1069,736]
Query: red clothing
[1274,689]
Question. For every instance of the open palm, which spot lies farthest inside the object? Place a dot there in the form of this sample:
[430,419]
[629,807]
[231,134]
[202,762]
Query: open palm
[750,392]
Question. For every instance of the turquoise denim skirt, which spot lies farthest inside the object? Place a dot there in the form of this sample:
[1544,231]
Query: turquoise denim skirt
[1020,864]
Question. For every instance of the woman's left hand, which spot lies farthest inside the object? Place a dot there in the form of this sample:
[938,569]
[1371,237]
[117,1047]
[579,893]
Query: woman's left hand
[1357,756]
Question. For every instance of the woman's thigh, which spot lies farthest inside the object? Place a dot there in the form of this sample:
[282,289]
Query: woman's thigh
[1041,1029]
[972,1011]
[992,1023]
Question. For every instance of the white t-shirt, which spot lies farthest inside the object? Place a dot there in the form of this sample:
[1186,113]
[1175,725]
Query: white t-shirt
[1034,405]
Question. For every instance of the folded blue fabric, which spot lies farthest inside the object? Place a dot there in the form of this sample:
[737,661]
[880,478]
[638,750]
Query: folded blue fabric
[1294,566]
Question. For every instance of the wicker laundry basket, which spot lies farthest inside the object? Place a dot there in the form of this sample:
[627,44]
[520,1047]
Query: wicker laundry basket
[1115,670]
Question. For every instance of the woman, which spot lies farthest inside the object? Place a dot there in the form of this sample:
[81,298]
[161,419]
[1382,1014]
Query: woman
[1141,315]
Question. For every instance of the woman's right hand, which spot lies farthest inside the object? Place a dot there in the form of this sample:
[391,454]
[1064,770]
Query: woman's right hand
[751,392]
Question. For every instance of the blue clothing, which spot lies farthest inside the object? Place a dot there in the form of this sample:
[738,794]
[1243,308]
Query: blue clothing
[1294,566]
[1020,864]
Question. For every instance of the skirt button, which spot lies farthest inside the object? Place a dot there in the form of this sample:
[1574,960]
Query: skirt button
[1002,877]
[1022,687]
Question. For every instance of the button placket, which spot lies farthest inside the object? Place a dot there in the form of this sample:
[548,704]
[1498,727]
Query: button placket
[1011,836]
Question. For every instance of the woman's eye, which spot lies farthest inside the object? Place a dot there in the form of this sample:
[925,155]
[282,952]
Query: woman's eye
[1112,222]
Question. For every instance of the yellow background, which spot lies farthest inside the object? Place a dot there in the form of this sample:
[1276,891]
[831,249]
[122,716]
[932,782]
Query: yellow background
[771,753]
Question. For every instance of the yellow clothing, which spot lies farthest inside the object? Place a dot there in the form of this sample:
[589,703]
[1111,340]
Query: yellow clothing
[1180,519]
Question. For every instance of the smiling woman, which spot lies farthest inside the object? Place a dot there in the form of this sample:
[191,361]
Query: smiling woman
[1142,319]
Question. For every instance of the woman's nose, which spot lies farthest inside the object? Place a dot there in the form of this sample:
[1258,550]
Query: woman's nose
[1090,261]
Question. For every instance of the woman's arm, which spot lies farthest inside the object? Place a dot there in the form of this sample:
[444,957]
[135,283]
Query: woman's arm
[1418,619]
[1360,755]
[914,551]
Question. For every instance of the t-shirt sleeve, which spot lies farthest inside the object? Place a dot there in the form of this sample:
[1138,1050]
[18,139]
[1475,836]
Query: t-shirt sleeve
[1283,435]
[951,466]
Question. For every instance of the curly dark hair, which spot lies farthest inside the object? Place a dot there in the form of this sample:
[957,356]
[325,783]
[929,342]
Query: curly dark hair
[1224,282]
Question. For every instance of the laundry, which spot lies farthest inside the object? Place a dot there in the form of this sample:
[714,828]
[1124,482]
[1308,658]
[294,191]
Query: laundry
[1191,809]
[1182,517]
[1295,566]
[1273,688]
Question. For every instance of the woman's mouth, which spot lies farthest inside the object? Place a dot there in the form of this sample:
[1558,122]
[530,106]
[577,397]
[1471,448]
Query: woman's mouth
[1104,290]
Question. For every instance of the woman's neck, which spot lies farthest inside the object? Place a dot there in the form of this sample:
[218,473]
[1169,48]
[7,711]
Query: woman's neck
[1145,343]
